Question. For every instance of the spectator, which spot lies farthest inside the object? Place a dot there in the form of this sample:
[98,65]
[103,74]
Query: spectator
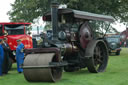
[6,56]
[1,56]
[19,56]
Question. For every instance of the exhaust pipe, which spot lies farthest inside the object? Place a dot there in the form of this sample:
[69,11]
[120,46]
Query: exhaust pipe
[54,17]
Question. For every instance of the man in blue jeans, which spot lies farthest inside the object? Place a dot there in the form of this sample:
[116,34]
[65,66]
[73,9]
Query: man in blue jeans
[1,56]
[19,56]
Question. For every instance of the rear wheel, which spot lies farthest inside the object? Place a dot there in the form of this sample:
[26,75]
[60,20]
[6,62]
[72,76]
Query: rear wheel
[98,62]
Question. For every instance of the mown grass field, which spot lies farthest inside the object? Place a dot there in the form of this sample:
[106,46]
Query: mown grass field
[116,74]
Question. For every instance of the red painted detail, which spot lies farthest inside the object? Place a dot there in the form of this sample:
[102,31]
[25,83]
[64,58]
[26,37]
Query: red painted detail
[9,23]
[25,39]
[44,18]
[85,35]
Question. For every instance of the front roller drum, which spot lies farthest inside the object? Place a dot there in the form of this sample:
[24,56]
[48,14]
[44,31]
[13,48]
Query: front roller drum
[50,74]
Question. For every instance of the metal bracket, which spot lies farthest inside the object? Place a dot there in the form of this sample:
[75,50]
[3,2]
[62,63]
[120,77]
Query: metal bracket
[51,64]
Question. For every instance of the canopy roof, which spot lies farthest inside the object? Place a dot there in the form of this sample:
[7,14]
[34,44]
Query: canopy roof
[81,15]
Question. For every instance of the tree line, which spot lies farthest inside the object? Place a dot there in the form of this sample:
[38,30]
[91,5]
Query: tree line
[28,10]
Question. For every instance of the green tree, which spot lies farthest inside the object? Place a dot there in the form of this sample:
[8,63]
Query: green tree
[48,26]
[28,10]
[31,9]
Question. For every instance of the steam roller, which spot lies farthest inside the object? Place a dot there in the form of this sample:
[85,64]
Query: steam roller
[70,46]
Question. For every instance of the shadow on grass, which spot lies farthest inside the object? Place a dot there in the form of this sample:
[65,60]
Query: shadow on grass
[66,77]
[63,80]
[80,72]
[12,69]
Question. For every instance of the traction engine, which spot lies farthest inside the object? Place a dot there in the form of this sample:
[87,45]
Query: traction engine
[70,47]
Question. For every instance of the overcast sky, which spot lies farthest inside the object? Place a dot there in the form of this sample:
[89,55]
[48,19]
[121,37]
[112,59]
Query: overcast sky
[5,7]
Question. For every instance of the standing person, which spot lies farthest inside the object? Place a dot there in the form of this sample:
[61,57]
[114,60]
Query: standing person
[6,55]
[19,56]
[1,56]
[9,58]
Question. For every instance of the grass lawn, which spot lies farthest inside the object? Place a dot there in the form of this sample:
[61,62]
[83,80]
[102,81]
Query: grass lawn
[116,74]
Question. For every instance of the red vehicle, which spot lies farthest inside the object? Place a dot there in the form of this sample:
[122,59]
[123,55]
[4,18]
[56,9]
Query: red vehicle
[14,31]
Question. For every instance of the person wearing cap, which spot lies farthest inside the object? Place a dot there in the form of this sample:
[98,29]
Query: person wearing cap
[1,56]
[6,55]
[19,55]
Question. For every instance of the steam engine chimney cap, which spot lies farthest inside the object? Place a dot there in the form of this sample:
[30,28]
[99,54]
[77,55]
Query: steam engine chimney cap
[54,4]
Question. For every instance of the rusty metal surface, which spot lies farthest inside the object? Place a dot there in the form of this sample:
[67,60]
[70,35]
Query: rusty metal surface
[41,74]
[43,50]
[91,46]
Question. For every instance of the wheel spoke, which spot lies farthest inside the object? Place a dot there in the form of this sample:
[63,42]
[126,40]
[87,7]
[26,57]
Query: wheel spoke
[99,59]
[98,56]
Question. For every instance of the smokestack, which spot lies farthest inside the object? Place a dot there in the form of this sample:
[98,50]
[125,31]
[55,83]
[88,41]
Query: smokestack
[54,17]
